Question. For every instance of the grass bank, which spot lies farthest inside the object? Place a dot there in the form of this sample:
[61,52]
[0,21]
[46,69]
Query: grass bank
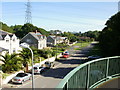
[81,45]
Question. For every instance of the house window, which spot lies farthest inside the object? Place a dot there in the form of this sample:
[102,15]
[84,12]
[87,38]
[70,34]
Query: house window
[14,50]
[14,40]
[28,40]
[7,40]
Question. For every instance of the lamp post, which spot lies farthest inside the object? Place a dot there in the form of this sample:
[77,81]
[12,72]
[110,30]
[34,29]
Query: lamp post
[56,44]
[25,45]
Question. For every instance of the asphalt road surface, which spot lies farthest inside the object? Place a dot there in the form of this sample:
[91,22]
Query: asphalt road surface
[52,77]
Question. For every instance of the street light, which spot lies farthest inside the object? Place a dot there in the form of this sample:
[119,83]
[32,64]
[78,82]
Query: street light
[25,45]
[56,44]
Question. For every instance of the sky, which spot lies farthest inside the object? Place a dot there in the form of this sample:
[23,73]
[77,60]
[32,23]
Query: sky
[77,16]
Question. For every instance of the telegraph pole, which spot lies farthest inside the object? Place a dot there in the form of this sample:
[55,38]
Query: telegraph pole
[28,17]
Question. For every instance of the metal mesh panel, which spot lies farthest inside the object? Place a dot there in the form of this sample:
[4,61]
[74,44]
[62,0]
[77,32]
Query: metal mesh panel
[114,66]
[78,80]
[92,73]
[97,71]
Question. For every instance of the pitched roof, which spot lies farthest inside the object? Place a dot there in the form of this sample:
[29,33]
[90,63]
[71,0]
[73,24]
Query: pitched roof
[37,35]
[53,37]
[2,36]
[4,33]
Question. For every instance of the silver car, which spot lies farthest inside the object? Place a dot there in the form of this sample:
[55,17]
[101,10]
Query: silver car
[21,77]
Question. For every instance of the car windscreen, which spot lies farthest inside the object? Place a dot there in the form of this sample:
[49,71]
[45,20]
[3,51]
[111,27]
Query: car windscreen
[47,62]
[35,68]
[20,75]
[65,54]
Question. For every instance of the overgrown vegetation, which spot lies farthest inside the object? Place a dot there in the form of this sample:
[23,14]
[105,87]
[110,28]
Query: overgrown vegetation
[110,36]
[96,50]
[11,63]
[21,30]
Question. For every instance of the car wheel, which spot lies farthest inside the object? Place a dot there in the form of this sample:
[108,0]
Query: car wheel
[29,78]
[53,65]
[41,71]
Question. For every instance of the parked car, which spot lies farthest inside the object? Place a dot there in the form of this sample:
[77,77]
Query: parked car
[48,64]
[65,55]
[66,52]
[38,70]
[21,77]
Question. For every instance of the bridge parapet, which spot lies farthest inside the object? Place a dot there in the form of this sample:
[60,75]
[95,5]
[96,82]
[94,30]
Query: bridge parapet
[89,75]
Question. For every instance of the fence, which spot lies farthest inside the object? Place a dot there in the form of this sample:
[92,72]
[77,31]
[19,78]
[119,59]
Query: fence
[92,73]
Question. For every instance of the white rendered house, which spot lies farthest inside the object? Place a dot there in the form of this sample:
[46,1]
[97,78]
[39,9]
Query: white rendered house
[9,42]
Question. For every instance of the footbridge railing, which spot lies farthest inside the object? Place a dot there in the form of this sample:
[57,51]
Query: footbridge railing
[90,74]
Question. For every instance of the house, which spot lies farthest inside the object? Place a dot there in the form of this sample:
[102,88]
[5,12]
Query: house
[53,40]
[35,39]
[64,40]
[8,43]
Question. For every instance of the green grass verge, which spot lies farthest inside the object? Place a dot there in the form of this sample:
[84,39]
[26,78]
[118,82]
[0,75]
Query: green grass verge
[81,45]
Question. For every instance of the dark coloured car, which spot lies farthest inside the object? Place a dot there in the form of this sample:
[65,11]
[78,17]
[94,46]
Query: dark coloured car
[48,64]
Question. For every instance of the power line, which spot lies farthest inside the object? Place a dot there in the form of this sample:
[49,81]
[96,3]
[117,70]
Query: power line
[28,17]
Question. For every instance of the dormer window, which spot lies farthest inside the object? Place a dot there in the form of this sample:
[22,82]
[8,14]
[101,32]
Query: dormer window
[7,38]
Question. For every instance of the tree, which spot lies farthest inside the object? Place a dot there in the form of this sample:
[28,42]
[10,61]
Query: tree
[110,36]
[92,34]
[43,31]
[11,62]
[17,30]
[22,30]
[5,27]
[25,55]
[26,28]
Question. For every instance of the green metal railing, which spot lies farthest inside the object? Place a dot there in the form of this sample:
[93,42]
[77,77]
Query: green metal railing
[92,73]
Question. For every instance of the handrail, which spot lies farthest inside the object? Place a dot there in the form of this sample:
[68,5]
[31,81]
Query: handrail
[91,73]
